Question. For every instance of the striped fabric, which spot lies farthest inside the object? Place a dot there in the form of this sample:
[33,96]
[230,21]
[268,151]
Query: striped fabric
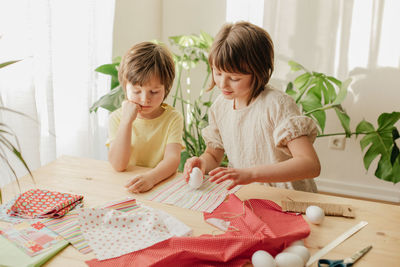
[206,198]
[68,226]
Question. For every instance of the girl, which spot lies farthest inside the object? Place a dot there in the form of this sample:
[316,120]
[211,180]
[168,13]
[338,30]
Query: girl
[145,131]
[260,129]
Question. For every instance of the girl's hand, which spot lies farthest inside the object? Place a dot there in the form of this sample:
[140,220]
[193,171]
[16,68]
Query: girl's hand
[190,164]
[129,111]
[140,183]
[238,176]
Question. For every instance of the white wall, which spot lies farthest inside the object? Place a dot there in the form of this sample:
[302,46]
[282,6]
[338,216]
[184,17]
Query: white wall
[376,89]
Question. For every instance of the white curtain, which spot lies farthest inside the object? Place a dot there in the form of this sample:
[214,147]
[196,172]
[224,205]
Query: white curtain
[60,43]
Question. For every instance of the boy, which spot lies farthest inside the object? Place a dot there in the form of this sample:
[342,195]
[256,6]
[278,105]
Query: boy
[145,131]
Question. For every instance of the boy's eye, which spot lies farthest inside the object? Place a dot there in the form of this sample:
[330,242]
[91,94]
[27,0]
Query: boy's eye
[136,92]
[234,79]
[154,92]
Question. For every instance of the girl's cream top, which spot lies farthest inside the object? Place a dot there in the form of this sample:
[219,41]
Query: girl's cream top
[258,133]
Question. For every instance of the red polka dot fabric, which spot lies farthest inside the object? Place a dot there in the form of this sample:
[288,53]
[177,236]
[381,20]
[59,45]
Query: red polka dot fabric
[37,203]
[253,225]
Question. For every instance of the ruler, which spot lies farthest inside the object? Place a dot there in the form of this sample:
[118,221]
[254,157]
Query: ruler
[336,242]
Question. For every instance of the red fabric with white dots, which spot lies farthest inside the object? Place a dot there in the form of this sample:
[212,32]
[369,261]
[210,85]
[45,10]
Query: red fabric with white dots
[255,224]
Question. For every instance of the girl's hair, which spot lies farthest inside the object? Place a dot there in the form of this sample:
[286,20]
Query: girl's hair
[244,48]
[143,62]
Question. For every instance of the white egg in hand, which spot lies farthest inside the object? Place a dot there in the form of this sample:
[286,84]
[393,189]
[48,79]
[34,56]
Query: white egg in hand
[315,214]
[262,258]
[286,259]
[301,251]
[196,178]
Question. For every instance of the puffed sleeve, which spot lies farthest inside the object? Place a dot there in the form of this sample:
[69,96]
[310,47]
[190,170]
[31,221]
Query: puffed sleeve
[290,123]
[175,129]
[211,133]
[113,123]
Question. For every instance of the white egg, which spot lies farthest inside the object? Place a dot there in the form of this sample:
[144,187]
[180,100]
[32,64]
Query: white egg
[301,251]
[315,214]
[262,258]
[285,259]
[196,178]
[297,243]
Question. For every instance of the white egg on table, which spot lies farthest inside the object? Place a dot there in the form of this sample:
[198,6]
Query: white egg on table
[262,258]
[315,214]
[195,178]
[301,251]
[286,259]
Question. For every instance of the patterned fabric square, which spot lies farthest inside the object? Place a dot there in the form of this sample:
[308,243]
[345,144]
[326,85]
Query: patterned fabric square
[206,198]
[37,203]
[111,233]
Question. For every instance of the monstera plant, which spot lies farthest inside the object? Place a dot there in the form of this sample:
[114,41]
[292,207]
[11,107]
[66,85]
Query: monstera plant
[9,144]
[316,92]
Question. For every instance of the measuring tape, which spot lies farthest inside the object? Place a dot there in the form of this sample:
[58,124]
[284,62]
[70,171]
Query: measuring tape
[336,242]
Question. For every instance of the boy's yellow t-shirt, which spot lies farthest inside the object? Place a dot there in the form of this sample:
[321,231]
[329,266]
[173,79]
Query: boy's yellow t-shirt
[150,137]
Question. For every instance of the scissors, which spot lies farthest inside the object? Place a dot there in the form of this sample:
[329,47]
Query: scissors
[345,262]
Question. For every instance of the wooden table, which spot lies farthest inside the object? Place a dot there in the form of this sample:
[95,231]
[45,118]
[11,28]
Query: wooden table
[99,184]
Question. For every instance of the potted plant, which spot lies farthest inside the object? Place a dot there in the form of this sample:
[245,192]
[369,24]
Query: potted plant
[9,141]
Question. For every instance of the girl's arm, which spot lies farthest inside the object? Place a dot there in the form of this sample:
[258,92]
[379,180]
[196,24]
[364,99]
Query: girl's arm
[304,164]
[164,169]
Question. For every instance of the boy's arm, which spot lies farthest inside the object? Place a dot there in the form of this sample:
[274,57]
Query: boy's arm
[164,169]
[120,149]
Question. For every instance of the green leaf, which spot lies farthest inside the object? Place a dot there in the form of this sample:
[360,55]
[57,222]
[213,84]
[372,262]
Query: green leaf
[381,143]
[311,102]
[2,65]
[344,120]
[294,66]
[302,80]
[109,69]
[330,89]
[110,101]
[342,92]
[395,155]
[290,91]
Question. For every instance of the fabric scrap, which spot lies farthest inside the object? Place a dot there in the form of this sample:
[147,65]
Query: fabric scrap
[33,238]
[37,203]
[68,225]
[112,233]
[206,198]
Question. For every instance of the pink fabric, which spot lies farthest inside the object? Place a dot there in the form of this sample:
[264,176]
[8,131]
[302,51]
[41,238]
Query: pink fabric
[255,224]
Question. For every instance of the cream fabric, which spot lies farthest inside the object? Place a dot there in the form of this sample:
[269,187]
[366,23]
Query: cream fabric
[258,134]
[150,137]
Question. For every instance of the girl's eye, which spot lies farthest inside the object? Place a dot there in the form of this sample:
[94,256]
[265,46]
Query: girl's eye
[154,92]
[136,92]
[234,79]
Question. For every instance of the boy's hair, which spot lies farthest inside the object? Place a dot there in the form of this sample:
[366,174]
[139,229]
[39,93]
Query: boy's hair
[244,48]
[144,61]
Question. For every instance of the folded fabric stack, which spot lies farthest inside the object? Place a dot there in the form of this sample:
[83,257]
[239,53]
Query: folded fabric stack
[37,203]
